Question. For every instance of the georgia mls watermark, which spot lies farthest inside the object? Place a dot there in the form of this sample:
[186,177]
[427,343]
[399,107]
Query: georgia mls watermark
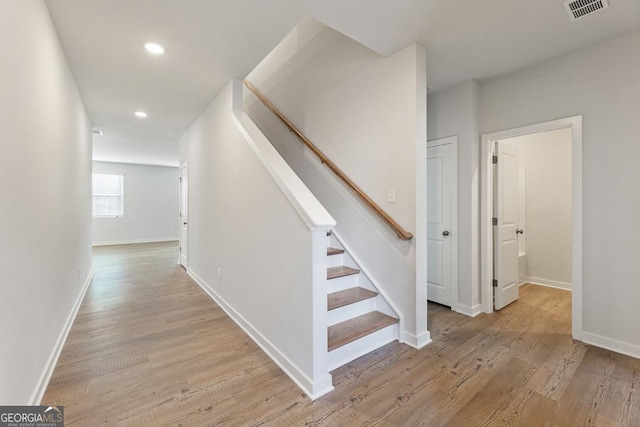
[31,416]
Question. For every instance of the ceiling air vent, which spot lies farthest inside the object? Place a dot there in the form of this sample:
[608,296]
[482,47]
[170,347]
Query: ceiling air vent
[580,8]
[97,132]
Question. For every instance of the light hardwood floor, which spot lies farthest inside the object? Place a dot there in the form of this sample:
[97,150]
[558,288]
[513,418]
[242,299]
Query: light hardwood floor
[150,348]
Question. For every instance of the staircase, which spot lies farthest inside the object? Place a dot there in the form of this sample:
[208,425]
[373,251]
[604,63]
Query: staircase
[359,318]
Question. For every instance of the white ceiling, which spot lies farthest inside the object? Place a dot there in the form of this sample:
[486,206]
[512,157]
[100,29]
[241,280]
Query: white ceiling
[208,42]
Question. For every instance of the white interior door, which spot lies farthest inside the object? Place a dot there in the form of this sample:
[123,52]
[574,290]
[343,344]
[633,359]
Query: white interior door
[184,217]
[505,237]
[441,199]
[522,210]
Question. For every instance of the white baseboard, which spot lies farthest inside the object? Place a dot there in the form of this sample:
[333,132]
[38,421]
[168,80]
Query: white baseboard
[131,242]
[313,389]
[611,344]
[469,311]
[41,387]
[546,282]
[416,341]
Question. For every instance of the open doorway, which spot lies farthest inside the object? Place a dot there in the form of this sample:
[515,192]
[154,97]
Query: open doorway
[510,239]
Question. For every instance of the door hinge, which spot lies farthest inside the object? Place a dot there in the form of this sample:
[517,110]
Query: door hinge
[494,221]
[180,248]
[495,283]
[494,160]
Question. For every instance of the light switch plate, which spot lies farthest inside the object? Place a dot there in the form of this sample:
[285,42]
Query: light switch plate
[391,196]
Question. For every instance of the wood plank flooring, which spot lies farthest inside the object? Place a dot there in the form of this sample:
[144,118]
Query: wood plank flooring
[150,348]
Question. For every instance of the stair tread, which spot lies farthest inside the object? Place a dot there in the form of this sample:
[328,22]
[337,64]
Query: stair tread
[334,251]
[340,271]
[358,327]
[348,296]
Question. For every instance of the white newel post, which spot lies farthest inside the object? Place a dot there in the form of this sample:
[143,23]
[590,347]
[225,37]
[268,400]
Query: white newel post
[322,380]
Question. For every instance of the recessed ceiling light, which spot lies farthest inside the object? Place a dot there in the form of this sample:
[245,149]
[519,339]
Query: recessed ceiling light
[141,114]
[154,48]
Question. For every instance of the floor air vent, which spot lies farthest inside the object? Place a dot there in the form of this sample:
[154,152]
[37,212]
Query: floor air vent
[580,8]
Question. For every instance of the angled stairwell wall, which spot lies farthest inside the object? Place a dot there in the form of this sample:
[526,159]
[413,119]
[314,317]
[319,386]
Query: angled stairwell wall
[368,115]
[255,245]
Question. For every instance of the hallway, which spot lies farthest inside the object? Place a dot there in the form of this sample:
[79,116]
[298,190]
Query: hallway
[149,347]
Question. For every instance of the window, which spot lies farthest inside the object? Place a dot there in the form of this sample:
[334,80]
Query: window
[108,195]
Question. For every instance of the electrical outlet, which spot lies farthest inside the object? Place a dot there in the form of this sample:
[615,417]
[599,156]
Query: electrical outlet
[219,272]
[391,196]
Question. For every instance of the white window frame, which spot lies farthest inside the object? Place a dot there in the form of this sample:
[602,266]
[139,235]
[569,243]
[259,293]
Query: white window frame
[121,175]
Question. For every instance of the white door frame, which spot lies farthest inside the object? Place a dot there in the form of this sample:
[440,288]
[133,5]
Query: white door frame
[453,140]
[182,167]
[486,201]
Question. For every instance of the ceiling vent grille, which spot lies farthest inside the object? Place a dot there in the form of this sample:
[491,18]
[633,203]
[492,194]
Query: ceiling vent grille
[580,8]
[97,132]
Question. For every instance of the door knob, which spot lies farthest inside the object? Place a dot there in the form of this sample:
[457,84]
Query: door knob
[445,233]
[184,223]
[520,231]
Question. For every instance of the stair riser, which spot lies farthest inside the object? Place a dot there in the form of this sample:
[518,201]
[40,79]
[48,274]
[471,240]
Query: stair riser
[342,283]
[349,352]
[350,311]
[334,260]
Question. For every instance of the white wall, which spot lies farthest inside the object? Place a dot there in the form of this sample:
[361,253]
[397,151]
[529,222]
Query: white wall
[242,223]
[151,205]
[45,220]
[454,111]
[601,83]
[368,115]
[546,158]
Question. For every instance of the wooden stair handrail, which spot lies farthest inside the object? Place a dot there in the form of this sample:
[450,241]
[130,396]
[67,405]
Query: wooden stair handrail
[400,232]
